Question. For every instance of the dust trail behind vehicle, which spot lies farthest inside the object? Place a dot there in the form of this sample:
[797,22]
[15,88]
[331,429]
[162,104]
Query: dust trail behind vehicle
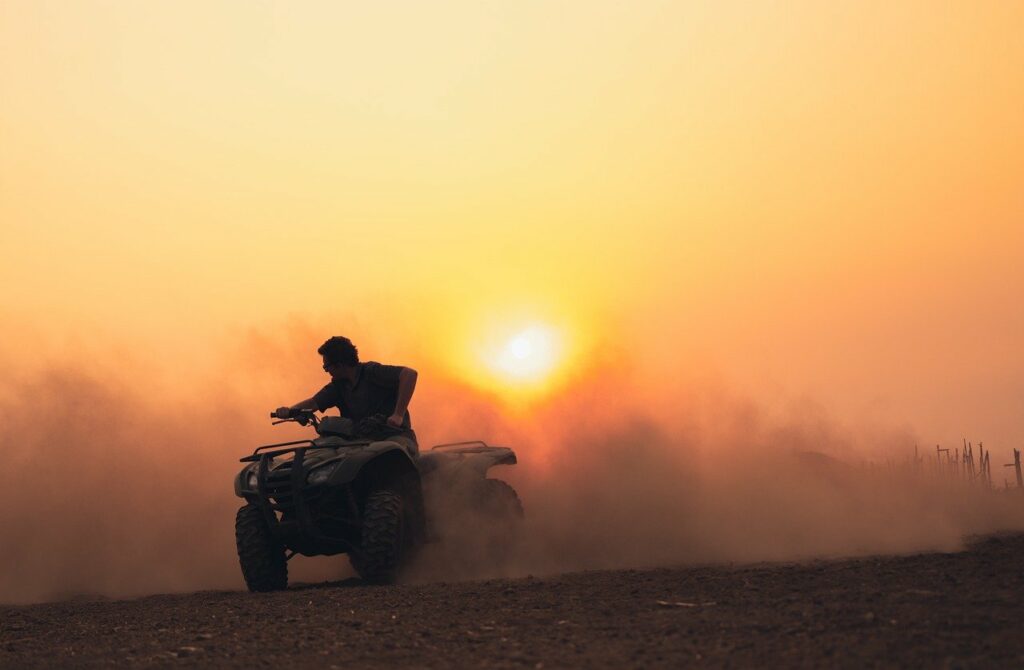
[121,485]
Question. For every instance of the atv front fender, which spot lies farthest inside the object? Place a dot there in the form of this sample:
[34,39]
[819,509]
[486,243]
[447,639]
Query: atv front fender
[352,461]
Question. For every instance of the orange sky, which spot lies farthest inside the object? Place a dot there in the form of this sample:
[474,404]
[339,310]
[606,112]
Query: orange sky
[820,200]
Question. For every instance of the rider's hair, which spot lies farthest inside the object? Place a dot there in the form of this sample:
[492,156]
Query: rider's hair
[339,350]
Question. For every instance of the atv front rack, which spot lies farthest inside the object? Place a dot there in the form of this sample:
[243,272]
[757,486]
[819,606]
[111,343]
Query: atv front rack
[285,447]
[255,456]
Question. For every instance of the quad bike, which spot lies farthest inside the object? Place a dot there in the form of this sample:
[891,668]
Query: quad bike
[357,489]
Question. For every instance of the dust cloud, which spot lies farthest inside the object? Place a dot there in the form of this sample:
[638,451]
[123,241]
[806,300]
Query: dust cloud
[110,488]
[614,483]
[120,484]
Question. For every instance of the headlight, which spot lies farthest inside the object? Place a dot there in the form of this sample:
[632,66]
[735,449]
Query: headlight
[321,474]
[251,481]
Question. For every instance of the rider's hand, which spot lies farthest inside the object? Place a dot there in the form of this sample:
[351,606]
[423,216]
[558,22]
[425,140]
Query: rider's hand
[283,412]
[396,420]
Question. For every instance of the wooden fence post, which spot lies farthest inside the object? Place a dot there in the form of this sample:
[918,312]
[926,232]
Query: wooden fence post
[1016,466]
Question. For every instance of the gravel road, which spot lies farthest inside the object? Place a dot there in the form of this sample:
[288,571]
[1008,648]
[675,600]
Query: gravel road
[930,610]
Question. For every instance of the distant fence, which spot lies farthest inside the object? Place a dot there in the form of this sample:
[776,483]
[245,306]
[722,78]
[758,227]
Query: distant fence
[967,464]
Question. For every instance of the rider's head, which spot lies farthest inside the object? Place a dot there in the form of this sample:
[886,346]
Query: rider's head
[338,353]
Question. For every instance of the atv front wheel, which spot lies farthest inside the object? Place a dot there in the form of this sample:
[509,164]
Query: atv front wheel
[261,556]
[383,542]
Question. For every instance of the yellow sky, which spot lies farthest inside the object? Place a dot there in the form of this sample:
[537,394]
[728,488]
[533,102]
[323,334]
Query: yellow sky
[825,198]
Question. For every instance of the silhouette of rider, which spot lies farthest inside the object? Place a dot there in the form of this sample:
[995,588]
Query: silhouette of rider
[362,390]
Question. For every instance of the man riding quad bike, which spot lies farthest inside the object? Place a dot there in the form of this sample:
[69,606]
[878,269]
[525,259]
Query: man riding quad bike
[354,491]
[359,487]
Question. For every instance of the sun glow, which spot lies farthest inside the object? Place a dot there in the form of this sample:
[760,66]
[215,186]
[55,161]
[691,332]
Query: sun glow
[528,355]
[517,356]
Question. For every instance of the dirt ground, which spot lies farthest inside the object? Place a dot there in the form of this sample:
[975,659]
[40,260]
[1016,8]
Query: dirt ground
[933,610]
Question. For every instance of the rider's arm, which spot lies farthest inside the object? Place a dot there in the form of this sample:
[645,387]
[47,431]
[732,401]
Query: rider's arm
[308,403]
[285,412]
[406,386]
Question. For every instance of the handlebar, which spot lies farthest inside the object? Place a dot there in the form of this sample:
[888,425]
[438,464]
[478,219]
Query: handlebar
[302,417]
[375,425]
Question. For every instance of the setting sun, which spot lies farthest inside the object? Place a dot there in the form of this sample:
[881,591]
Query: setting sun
[528,355]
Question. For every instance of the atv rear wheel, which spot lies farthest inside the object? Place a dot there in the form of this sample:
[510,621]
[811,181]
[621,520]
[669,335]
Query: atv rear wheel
[503,518]
[384,537]
[501,502]
[261,556]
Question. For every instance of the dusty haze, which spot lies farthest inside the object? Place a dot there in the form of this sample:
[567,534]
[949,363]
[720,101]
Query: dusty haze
[119,483]
[761,228]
